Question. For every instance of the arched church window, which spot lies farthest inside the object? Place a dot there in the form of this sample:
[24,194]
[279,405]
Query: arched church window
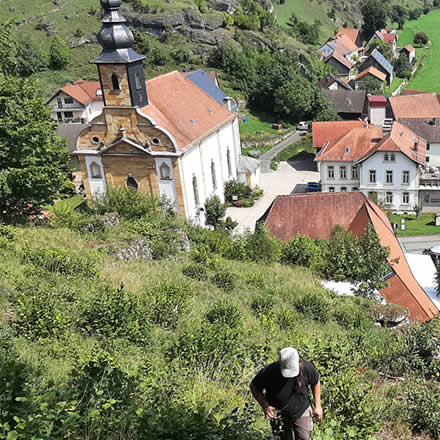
[165,172]
[115,82]
[95,171]
[228,159]
[196,191]
[137,80]
[213,176]
[131,183]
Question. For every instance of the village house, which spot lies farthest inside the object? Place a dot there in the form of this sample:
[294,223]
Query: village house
[316,216]
[165,137]
[377,110]
[332,82]
[341,64]
[79,102]
[371,72]
[348,104]
[383,167]
[386,36]
[379,62]
[410,52]
[353,34]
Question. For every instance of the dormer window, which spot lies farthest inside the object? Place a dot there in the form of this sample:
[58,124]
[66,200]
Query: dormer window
[137,80]
[165,172]
[115,82]
[347,150]
[131,183]
[99,92]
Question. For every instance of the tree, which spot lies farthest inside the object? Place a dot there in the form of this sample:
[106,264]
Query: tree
[322,107]
[399,14]
[402,67]
[386,49]
[375,13]
[420,39]
[215,210]
[30,60]
[33,160]
[8,50]
[372,86]
[415,13]
[59,54]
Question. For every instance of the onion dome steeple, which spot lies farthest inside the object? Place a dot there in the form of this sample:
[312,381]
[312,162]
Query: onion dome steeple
[115,37]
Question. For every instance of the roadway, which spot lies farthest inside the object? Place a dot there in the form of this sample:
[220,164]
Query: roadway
[416,244]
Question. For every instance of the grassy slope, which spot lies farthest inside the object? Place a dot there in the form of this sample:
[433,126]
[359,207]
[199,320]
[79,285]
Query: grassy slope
[427,77]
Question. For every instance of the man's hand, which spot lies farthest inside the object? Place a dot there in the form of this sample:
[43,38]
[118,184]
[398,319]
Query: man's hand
[317,412]
[271,412]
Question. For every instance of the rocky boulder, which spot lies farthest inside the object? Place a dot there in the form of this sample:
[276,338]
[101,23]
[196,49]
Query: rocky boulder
[229,6]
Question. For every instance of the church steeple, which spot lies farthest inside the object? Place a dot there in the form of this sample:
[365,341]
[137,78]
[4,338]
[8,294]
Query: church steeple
[119,65]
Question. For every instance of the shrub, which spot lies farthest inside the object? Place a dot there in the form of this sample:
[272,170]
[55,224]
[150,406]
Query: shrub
[350,315]
[314,305]
[224,279]
[128,203]
[263,305]
[420,39]
[255,279]
[224,312]
[83,263]
[286,319]
[59,54]
[109,312]
[415,13]
[301,251]
[423,408]
[257,192]
[7,232]
[168,300]
[215,210]
[196,271]
[246,203]
[237,188]
[262,248]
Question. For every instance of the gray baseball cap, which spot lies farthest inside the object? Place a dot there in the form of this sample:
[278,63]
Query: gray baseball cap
[289,362]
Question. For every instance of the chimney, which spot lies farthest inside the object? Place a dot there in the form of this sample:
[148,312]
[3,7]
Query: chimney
[416,145]
[366,123]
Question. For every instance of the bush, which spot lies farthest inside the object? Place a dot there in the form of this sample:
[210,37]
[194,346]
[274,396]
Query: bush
[109,312]
[420,39]
[246,203]
[167,302]
[215,210]
[224,279]
[128,203]
[257,192]
[262,248]
[263,305]
[237,188]
[302,251]
[196,271]
[59,54]
[224,312]
[415,13]
[255,279]
[83,263]
[314,305]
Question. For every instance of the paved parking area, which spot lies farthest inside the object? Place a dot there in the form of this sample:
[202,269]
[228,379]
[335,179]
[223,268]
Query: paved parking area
[281,182]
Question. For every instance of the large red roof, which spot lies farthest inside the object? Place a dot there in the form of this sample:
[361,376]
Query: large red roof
[316,215]
[328,131]
[352,34]
[82,91]
[425,105]
[187,112]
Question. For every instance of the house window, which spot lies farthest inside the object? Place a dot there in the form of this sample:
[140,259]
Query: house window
[386,157]
[165,172]
[427,158]
[115,82]
[355,173]
[347,150]
[213,176]
[131,183]
[60,117]
[228,159]
[343,172]
[405,198]
[405,177]
[68,115]
[196,192]
[372,175]
[68,100]
[355,188]
[428,147]
[389,198]
[137,80]
[95,171]
[331,172]
[331,189]
[59,102]
[388,176]
[393,157]
[343,189]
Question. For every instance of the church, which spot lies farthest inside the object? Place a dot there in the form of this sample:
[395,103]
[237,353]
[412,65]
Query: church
[165,137]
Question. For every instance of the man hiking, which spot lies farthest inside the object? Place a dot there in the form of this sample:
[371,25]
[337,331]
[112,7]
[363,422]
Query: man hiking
[282,390]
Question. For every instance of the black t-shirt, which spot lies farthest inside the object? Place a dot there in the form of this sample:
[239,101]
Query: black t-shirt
[284,394]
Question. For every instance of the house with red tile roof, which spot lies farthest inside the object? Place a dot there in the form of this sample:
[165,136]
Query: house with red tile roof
[353,34]
[78,102]
[386,36]
[370,72]
[166,137]
[409,51]
[383,167]
[316,215]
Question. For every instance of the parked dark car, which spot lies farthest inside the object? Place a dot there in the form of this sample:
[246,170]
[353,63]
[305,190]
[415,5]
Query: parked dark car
[313,187]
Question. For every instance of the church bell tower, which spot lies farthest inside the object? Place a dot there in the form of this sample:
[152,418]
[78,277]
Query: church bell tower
[120,68]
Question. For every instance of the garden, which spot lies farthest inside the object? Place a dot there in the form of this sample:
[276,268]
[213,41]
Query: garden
[117,319]
[422,224]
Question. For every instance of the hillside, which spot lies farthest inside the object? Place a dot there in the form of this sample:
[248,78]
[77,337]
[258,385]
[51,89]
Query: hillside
[113,325]
[187,35]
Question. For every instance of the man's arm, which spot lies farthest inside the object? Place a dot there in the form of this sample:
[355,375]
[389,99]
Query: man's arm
[269,411]
[317,410]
